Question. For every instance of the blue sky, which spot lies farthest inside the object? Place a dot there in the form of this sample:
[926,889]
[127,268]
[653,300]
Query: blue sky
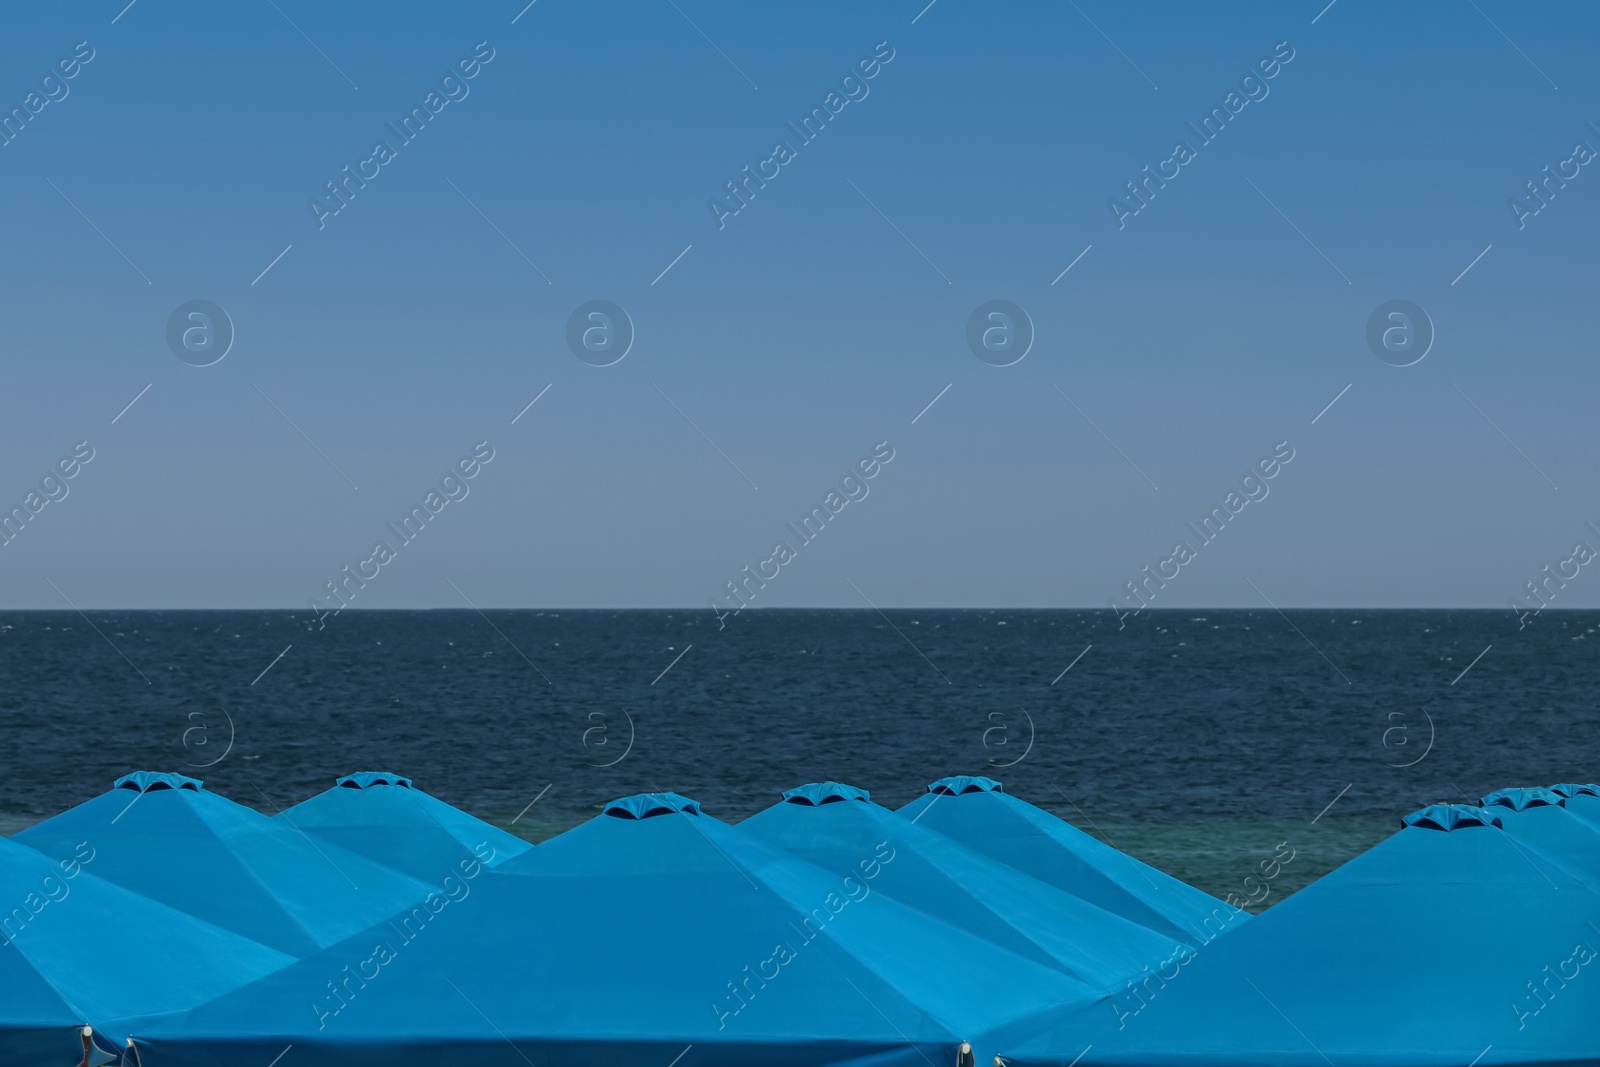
[777,350]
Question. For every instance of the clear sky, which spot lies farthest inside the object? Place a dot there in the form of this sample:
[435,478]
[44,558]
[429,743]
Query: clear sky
[572,153]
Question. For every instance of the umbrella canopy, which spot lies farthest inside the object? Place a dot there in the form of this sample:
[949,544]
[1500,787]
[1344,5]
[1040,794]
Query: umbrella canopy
[386,818]
[77,950]
[648,929]
[1544,820]
[1437,946]
[979,813]
[167,837]
[830,824]
[1582,800]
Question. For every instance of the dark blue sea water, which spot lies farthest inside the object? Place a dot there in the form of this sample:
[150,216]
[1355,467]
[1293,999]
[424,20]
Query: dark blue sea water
[1197,740]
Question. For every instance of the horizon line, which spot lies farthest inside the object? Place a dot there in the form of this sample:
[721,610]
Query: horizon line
[769,608]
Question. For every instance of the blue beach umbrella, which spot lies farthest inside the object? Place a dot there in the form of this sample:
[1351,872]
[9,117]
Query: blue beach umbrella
[167,837]
[828,823]
[980,814]
[386,818]
[1521,798]
[1582,800]
[1450,942]
[76,950]
[1543,817]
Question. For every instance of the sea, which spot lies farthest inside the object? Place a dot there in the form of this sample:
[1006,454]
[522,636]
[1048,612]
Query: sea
[1209,743]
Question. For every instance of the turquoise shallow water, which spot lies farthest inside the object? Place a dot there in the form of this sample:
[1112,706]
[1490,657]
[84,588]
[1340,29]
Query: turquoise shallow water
[1197,740]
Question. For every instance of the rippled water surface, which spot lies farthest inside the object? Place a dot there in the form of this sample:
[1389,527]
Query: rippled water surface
[1197,740]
